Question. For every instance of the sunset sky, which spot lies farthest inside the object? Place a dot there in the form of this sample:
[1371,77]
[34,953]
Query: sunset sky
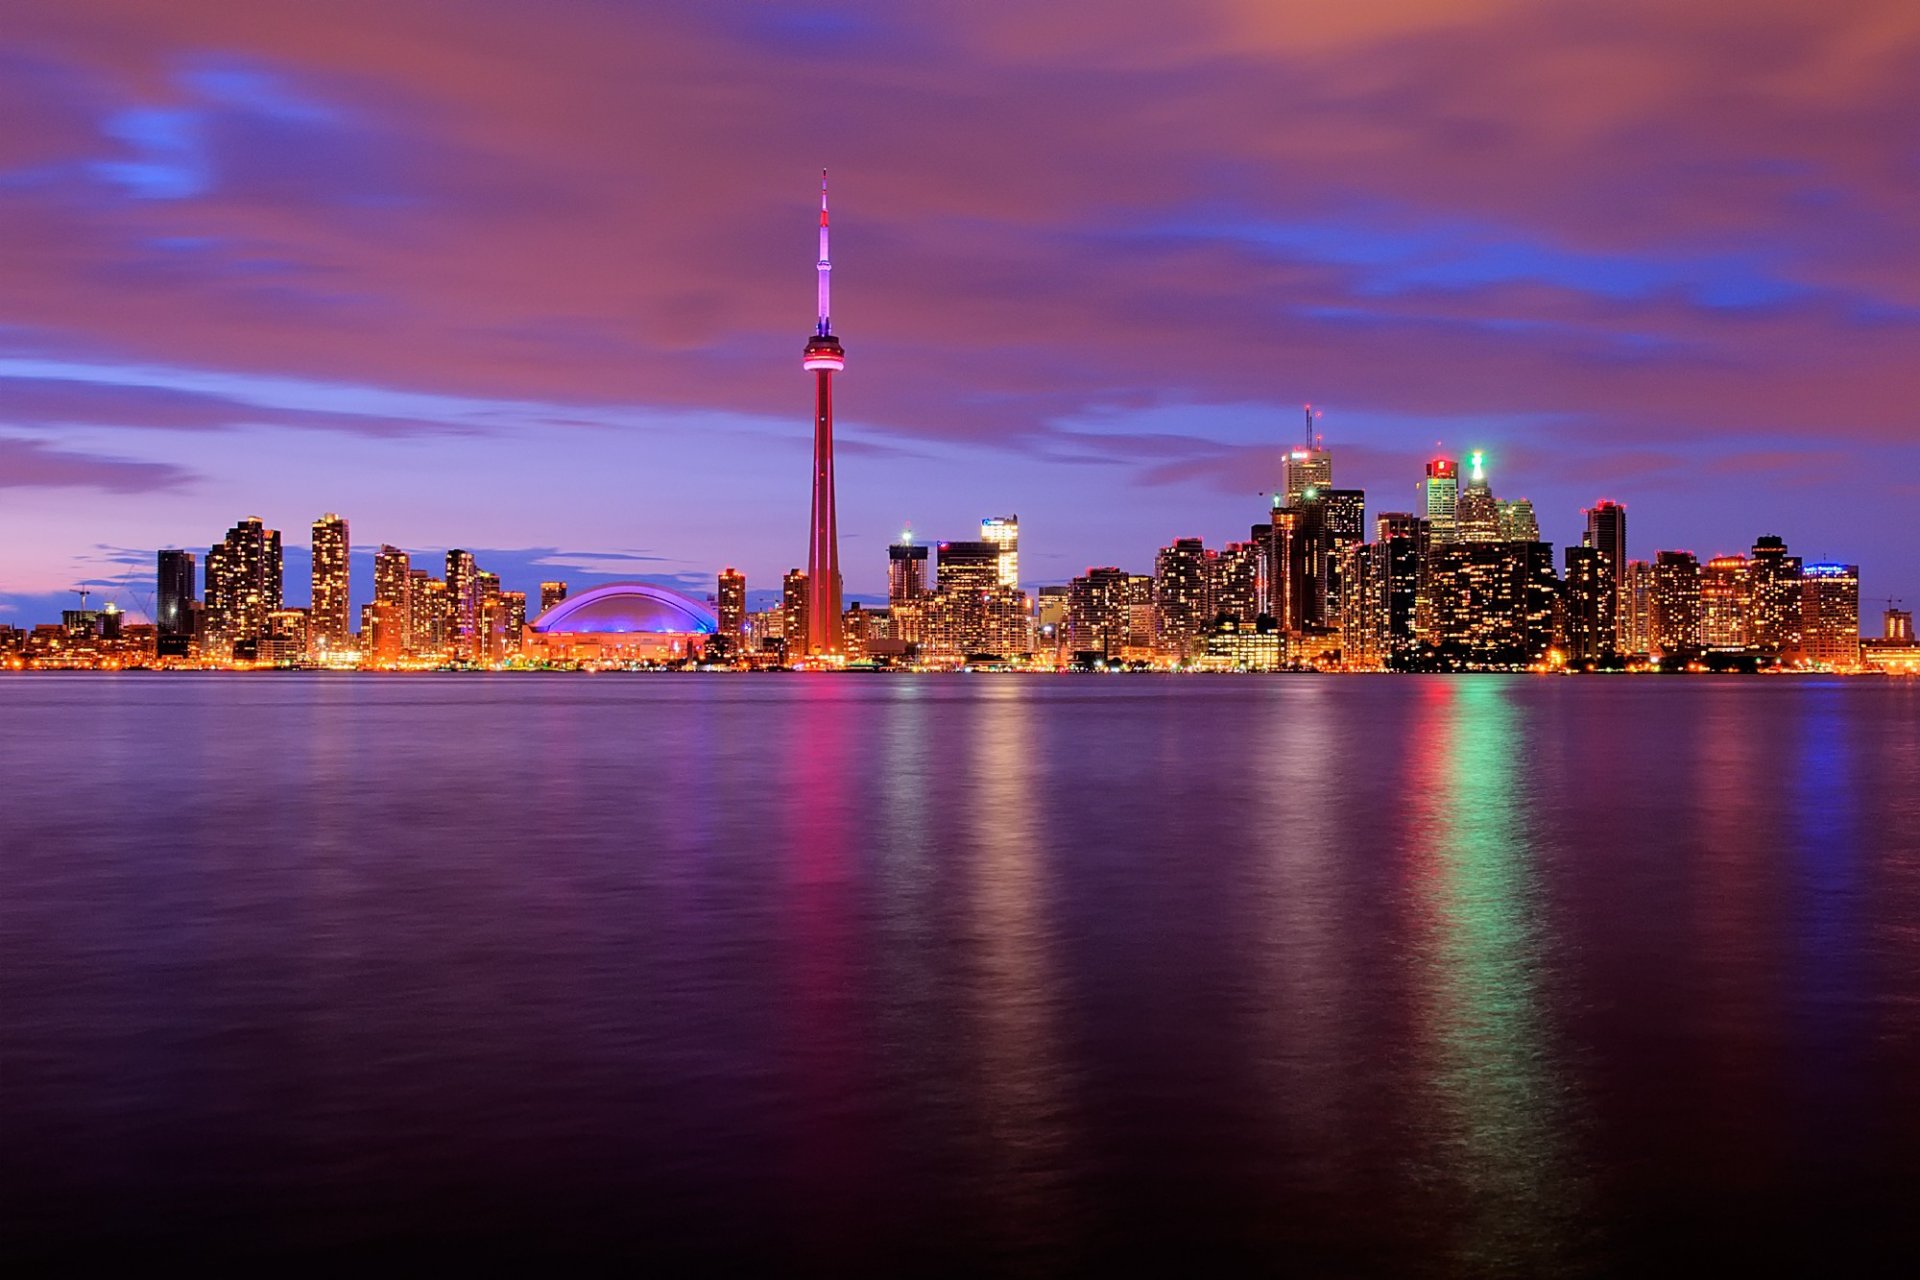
[533,277]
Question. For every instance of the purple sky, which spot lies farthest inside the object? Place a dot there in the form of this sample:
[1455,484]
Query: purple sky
[533,278]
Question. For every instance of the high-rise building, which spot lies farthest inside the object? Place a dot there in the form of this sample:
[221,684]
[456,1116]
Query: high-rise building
[288,638]
[513,614]
[1098,615]
[1050,618]
[968,566]
[244,586]
[426,614]
[823,358]
[1726,603]
[1342,524]
[1441,490]
[174,604]
[492,621]
[1591,597]
[463,639]
[392,616]
[1183,612]
[730,608]
[1235,589]
[1830,615]
[1607,534]
[1777,606]
[795,612]
[1494,602]
[551,594]
[1004,533]
[330,620]
[1518,523]
[1674,616]
[1309,469]
[906,571]
[972,613]
[1477,517]
[1634,620]
[1291,539]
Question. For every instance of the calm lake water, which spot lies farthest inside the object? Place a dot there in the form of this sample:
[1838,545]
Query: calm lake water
[1400,974]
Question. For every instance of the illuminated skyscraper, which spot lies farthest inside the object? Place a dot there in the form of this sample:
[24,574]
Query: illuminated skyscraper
[491,619]
[1235,589]
[392,616]
[1306,467]
[463,638]
[906,571]
[1493,601]
[1674,616]
[1726,603]
[1477,517]
[1442,492]
[426,614]
[1830,615]
[330,622]
[551,594]
[1183,612]
[1591,598]
[1292,592]
[823,358]
[1098,613]
[1518,523]
[1607,534]
[173,604]
[1342,523]
[1777,607]
[730,608]
[244,585]
[795,613]
[513,615]
[1004,532]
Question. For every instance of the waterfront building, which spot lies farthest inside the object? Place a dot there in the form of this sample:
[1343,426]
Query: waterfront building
[463,639]
[619,624]
[1634,622]
[244,587]
[426,614]
[1235,585]
[1607,534]
[906,571]
[1674,614]
[795,613]
[331,621]
[1004,533]
[730,616]
[1235,645]
[1494,602]
[1290,539]
[1830,615]
[1895,649]
[288,639]
[1591,596]
[174,604]
[1777,606]
[551,594]
[1726,604]
[1183,608]
[1098,613]
[389,637]
[512,607]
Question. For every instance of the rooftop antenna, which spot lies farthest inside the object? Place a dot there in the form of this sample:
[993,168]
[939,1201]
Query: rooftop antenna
[826,267]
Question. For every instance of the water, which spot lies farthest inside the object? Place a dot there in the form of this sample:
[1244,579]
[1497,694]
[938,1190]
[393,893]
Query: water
[1411,975]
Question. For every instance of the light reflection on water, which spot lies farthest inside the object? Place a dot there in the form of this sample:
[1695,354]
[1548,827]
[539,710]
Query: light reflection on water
[1404,975]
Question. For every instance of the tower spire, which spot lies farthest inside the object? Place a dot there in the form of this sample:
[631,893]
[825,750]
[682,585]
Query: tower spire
[826,266]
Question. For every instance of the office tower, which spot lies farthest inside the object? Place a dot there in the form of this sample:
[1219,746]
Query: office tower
[795,613]
[1494,602]
[551,594]
[1308,471]
[513,615]
[1398,560]
[244,576]
[492,623]
[823,358]
[1518,523]
[463,640]
[331,623]
[1591,597]
[392,615]
[1343,524]
[1726,603]
[1235,588]
[971,612]
[1142,619]
[1183,611]
[906,571]
[1441,490]
[967,566]
[1050,617]
[1477,516]
[1830,615]
[1777,608]
[1633,619]
[1674,613]
[1607,534]
[1004,532]
[1291,538]
[426,614]
[1097,613]
[173,604]
[730,608]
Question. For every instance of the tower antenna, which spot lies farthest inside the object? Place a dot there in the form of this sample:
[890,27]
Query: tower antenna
[826,265]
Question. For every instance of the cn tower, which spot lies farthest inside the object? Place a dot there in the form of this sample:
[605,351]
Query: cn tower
[824,358]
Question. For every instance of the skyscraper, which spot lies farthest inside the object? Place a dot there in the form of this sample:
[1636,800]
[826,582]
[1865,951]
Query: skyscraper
[173,604]
[1442,493]
[730,608]
[551,594]
[1518,523]
[1591,598]
[463,639]
[823,357]
[1726,603]
[244,585]
[1477,517]
[906,571]
[1830,615]
[1674,614]
[392,617]
[1183,613]
[1098,612]
[1607,534]
[1777,607]
[330,625]
[795,612]
[1004,532]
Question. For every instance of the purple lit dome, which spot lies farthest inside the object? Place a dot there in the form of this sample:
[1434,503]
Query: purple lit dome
[627,606]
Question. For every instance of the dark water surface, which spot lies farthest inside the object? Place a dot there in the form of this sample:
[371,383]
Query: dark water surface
[1430,975]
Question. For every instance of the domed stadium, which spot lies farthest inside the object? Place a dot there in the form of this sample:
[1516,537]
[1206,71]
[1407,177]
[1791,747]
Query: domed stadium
[620,622]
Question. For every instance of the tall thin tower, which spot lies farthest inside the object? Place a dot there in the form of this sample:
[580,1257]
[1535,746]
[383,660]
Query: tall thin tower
[824,358]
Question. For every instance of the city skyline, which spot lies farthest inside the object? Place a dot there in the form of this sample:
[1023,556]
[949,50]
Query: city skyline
[262,274]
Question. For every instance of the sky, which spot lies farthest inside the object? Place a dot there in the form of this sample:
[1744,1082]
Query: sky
[533,278]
